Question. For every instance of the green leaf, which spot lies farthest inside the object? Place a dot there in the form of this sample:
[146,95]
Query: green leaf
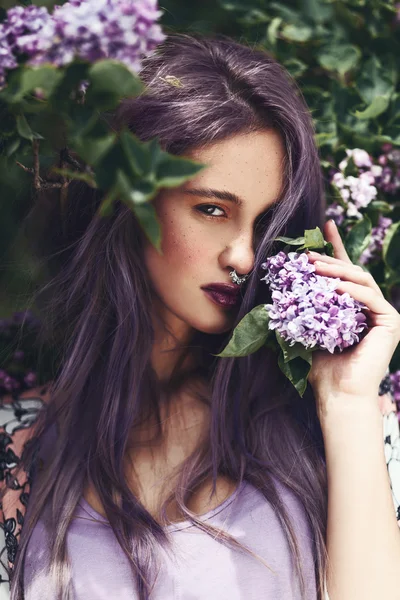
[137,153]
[391,247]
[284,11]
[358,238]
[341,58]
[25,130]
[82,120]
[147,217]
[107,204]
[12,146]
[249,335]
[69,174]
[72,76]
[377,107]
[272,31]
[375,81]
[110,81]
[313,238]
[297,371]
[297,33]
[107,167]
[45,77]
[174,170]
[135,192]
[291,352]
[383,207]
[291,241]
[295,67]
[92,150]
[317,11]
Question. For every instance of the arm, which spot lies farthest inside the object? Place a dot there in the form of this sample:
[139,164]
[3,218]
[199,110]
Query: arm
[363,538]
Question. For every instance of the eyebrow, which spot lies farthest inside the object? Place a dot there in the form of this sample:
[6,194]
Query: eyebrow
[223,195]
[211,193]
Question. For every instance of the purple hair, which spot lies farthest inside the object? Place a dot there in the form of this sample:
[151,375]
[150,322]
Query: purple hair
[95,305]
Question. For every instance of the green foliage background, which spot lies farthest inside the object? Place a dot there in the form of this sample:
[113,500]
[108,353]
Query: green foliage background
[345,55]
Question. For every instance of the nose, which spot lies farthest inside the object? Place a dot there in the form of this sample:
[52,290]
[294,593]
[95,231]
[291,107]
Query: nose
[239,255]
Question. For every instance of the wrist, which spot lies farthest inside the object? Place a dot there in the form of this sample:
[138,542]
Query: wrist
[343,407]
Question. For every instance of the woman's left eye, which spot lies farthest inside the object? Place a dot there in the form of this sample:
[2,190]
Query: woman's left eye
[212,206]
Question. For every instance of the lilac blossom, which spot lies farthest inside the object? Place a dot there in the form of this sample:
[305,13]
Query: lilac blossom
[356,192]
[360,157]
[124,30]
[27,27]
[306,308]
[7,58]
[374,248]
[389,181]
[336,212]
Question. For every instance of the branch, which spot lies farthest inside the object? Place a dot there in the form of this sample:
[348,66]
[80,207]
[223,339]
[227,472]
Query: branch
[37,181]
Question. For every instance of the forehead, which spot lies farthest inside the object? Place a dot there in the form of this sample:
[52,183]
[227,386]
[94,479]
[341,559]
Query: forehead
[247,169]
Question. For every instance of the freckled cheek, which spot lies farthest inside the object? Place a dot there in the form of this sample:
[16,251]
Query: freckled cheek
[186,248]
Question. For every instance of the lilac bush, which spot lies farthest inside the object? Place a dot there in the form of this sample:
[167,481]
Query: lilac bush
[377,236]
[357,192]
[306,308]
[124,30]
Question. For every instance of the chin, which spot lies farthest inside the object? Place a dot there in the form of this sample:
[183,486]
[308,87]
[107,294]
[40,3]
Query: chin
[216,326]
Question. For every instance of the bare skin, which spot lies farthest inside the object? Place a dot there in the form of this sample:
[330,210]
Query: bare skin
[203,239]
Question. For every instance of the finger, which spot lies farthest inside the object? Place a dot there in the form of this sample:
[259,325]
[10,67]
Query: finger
[376,303]
[312,256]
[331,234]
[347,273]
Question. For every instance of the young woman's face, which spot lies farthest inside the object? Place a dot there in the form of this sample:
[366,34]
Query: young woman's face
[204,238]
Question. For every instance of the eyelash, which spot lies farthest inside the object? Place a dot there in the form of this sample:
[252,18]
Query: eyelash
[198,208]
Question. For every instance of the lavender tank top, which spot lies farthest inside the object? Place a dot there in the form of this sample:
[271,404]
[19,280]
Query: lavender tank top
[200,567]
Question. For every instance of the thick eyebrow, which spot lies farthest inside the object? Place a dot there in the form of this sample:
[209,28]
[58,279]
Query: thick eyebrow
[221,195]
[211,193]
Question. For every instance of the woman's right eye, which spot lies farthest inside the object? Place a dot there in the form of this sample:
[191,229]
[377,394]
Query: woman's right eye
[212,206]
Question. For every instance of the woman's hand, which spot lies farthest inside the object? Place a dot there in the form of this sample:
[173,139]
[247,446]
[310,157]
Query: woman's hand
[356,372]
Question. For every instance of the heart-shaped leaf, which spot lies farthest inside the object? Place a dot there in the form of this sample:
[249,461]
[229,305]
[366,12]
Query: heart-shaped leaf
[250,333]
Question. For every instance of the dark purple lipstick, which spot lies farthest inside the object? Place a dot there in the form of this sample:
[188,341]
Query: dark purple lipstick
[225,295]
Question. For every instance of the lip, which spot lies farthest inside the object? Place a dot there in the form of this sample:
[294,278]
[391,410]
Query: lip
[230,289]
[226,301]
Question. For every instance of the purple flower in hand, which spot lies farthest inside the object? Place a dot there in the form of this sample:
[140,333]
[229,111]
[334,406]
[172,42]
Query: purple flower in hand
[306,308]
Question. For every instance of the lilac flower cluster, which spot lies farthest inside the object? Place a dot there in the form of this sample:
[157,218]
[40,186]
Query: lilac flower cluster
[124,30]
[374,248]
[305,306]
[390,177]
[10,384]
[358,192]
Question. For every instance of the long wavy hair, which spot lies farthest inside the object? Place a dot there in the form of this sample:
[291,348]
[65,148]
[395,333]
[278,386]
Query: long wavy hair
[96,308]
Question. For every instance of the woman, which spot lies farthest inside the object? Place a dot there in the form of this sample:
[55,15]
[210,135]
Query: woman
[144,437]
